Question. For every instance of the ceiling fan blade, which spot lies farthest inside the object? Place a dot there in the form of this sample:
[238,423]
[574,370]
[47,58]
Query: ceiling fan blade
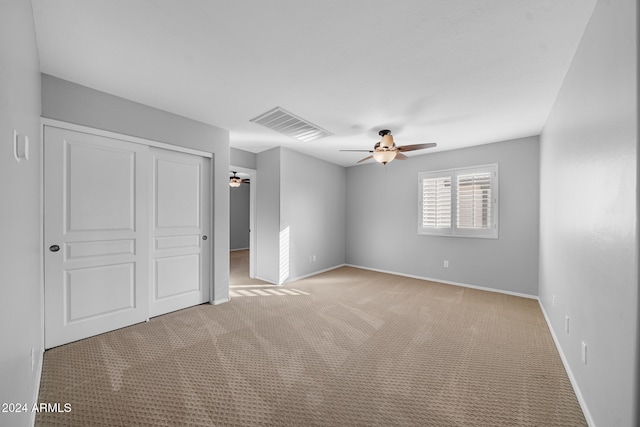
[364,151]
[416,146]
[246,181]
[400,156]
[365,159]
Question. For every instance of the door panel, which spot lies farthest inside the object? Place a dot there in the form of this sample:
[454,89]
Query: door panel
[100,187]
[178,187]
[95,212]
[181,222]
[177,275]
[80,250]
[98,291]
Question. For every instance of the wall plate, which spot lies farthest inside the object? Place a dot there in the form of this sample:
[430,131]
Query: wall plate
[20,146]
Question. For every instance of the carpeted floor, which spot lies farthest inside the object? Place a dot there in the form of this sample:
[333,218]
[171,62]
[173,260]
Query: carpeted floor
[239,270]
[346,347]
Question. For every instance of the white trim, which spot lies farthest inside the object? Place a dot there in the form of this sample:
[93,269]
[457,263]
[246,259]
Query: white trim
[40,361]
[567,367]
[212,228]
[266,280]
[447,282]
[220,301]
[463,168]
[295,279]
[36,392]
[239,249]
[115,135]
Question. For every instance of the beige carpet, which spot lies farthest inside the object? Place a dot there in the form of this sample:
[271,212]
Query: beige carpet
[239,269]
[347,347]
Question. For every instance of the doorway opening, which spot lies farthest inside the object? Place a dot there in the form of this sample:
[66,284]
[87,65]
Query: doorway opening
[242,244]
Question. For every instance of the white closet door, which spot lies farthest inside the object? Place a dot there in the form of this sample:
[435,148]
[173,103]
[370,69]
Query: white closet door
[96,235]
[181,199]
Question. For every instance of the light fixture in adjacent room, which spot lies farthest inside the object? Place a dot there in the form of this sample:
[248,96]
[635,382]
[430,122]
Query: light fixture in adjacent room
[235,181]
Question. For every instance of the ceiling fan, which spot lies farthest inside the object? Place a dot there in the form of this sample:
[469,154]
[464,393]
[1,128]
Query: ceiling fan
[235,181]
[386,150]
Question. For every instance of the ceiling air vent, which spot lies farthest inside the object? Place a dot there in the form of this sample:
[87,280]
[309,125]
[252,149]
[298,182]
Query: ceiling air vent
[291,125]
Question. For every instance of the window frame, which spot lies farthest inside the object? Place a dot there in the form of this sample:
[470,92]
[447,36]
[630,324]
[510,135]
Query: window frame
[490,232]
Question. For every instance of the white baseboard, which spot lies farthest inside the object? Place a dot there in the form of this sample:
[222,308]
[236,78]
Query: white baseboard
[220,301]
[266,280]
[567,367]
[238,249]
[295,279]
[446,282]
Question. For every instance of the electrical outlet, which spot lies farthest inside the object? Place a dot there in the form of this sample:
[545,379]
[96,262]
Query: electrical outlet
[584,352]
[314,258]
[446,264]
[566,323]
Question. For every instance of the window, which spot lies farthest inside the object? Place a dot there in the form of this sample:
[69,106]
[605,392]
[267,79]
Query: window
[459,202]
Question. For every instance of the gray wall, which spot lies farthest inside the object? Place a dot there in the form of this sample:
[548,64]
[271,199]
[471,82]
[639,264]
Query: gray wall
[382,220]
[69,102]
[306,196]
[242,158]
[588,233]
[268,215]
[239,217]
[20,314]
[312,204]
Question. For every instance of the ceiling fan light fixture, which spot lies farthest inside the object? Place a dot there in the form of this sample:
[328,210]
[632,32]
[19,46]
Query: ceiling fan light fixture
[386,150]
[386,141]
[384,157]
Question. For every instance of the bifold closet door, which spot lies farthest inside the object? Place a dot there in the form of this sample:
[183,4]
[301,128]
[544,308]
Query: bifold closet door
[181,198]
[95,235]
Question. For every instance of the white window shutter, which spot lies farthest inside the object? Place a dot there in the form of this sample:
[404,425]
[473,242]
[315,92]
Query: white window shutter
[436,206]
[474,200]
[459,202]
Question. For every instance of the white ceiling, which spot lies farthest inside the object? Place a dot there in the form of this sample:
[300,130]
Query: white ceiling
[458,73]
